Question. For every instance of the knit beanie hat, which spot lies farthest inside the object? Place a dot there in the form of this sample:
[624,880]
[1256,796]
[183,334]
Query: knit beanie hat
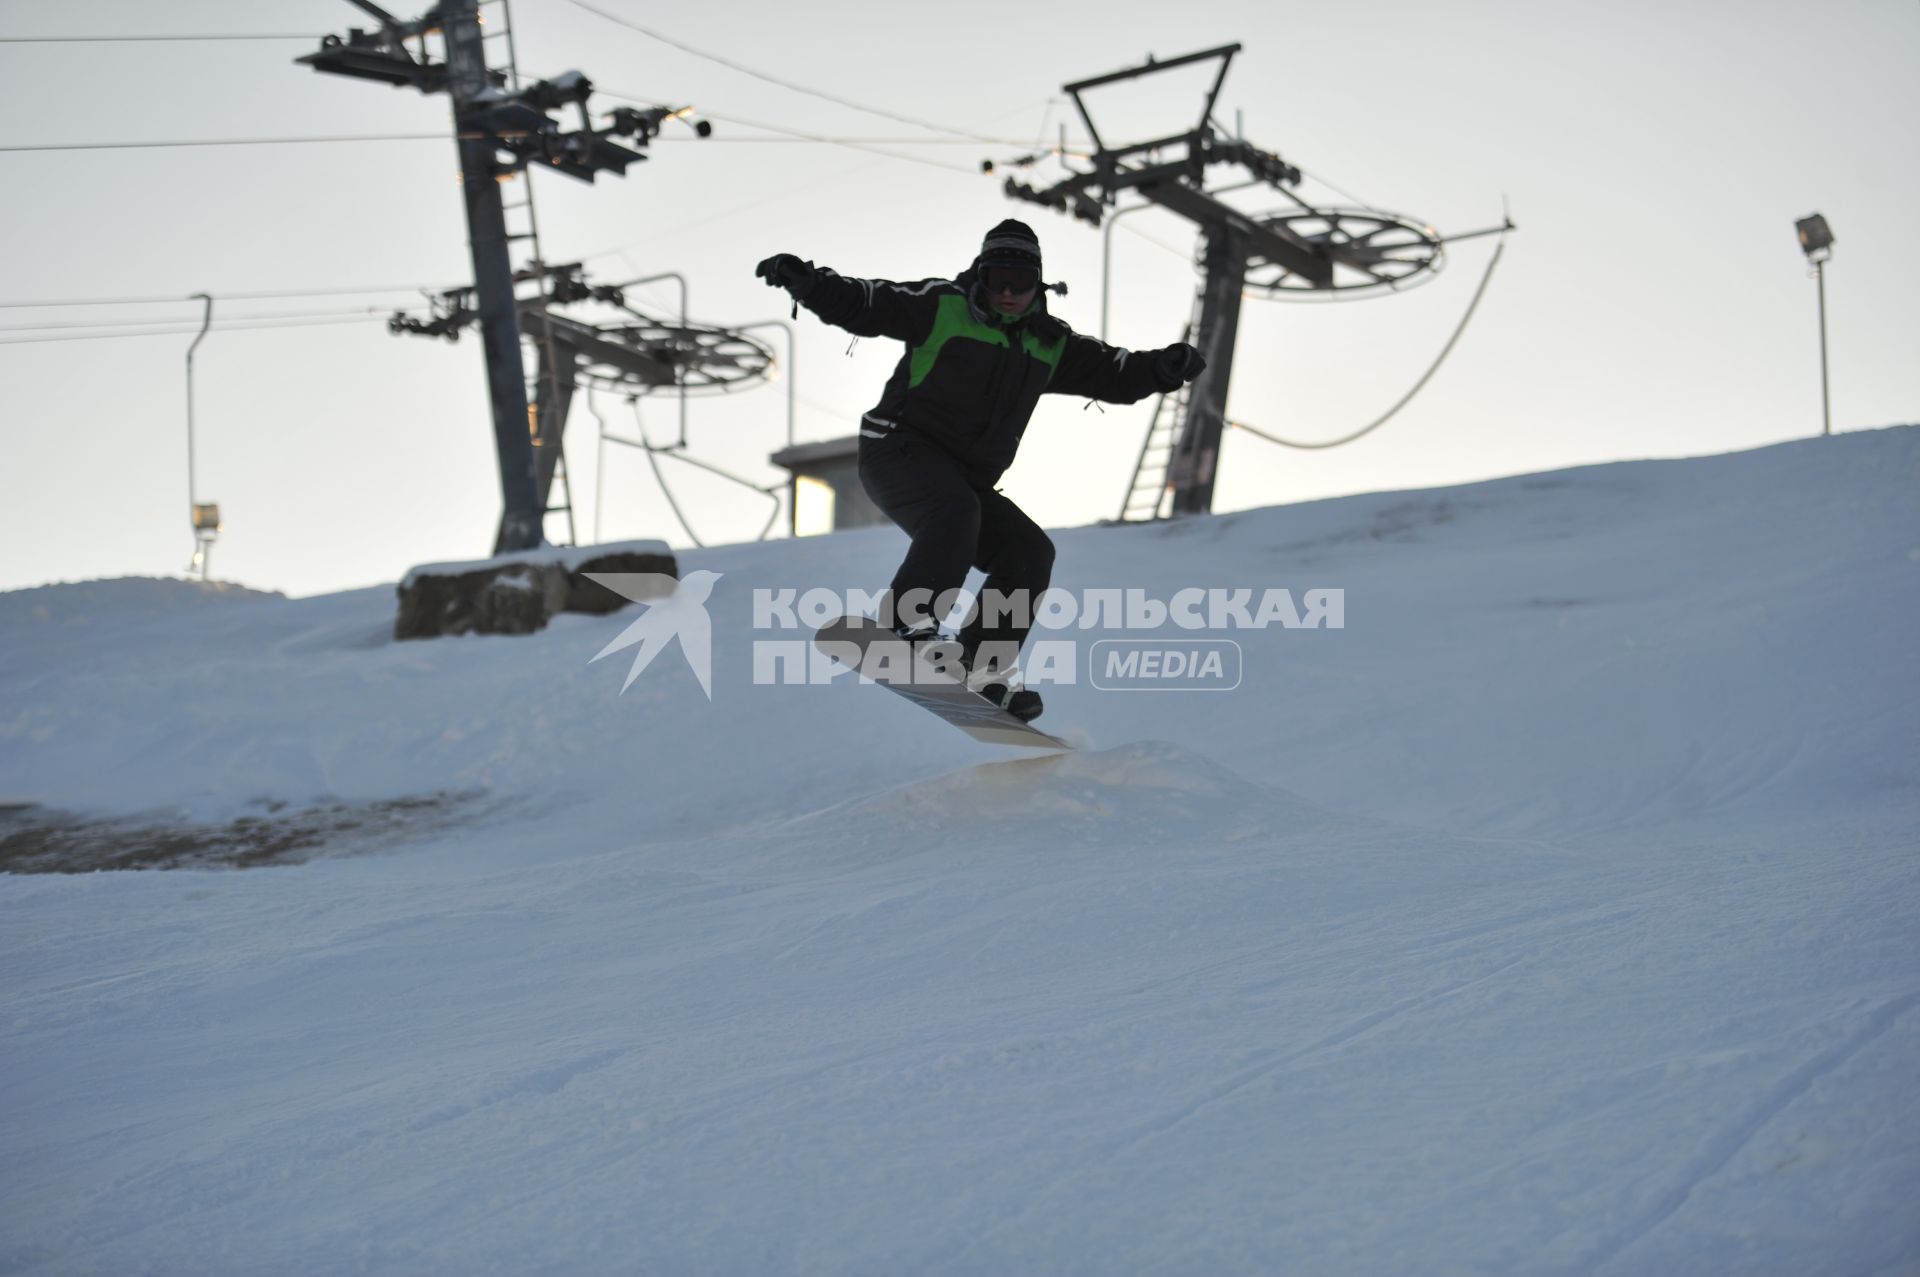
[1011,243]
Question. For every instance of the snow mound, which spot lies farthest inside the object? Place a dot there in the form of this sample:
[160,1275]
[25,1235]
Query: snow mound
[118,600]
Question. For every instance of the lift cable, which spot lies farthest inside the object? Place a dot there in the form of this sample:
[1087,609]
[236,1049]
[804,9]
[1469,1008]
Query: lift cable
[1369,428]
[771,79]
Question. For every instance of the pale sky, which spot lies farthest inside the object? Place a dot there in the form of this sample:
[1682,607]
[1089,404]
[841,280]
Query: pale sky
[1654,301]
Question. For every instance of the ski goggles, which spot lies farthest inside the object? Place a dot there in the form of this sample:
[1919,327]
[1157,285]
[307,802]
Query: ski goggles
[1009,279]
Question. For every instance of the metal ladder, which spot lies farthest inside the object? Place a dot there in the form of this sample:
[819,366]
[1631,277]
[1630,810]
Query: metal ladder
[1150,493]
[502,29]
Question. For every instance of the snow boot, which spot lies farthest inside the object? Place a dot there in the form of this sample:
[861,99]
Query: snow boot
[940,652]
[1003,686]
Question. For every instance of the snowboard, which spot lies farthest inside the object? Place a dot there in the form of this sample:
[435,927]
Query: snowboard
[860,643]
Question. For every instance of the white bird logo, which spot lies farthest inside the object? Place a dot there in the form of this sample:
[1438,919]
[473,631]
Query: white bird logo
[676,609]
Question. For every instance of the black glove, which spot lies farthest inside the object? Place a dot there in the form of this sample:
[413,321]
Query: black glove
[784,270]
[1177,365]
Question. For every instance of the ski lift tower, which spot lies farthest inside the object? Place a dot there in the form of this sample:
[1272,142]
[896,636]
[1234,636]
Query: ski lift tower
[500,127]
[1301,249]
[621,349]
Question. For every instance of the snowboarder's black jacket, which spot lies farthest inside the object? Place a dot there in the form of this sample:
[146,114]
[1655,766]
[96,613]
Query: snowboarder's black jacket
[970,377]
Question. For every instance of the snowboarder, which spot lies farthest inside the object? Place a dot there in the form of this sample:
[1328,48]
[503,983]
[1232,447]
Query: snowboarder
[981,350]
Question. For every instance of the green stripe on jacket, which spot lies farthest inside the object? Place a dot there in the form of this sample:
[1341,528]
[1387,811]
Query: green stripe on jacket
[955,319]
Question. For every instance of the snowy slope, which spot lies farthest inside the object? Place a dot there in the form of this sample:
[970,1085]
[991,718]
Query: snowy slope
[1554,916]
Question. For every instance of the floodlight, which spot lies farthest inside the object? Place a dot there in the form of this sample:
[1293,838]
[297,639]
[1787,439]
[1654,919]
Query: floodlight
[1815,235]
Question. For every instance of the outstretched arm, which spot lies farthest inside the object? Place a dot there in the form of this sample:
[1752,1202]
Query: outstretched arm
[1112,375]
[864,307]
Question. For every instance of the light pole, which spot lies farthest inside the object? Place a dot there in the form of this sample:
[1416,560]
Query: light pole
[1816,241]
[206,518]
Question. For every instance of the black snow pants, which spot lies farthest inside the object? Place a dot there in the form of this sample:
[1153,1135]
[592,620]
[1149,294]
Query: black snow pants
[954,525]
